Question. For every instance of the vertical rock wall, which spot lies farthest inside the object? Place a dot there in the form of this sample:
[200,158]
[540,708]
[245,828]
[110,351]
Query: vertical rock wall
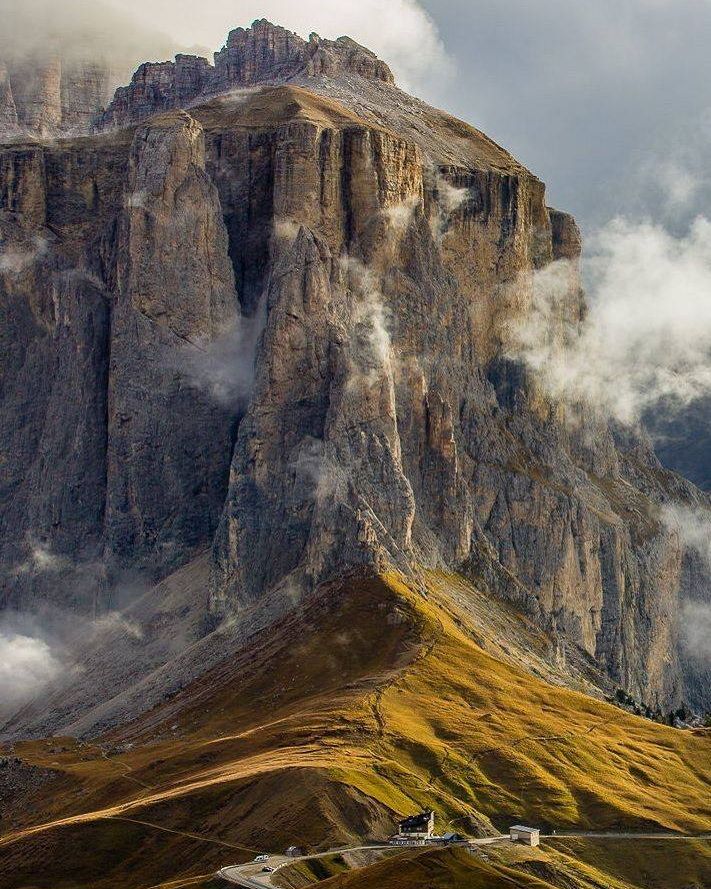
[375,292]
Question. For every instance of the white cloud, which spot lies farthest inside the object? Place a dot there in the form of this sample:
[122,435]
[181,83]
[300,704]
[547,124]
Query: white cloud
[693,527]
[647,336]
[27,665]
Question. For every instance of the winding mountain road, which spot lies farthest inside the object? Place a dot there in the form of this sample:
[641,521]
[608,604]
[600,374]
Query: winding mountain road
[252,875]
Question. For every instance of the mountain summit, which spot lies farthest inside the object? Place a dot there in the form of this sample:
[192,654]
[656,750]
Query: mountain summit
[48,94]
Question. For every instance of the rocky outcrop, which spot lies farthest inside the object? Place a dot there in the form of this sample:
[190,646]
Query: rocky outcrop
[85,89]
[8,109]
[157,87]
[114,280]
[264,53]
[273,327]
[358,448]
[168,443]
[49,95]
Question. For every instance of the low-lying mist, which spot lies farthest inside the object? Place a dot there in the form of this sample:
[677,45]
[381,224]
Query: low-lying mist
[28,663]
[45,646]
[80,31]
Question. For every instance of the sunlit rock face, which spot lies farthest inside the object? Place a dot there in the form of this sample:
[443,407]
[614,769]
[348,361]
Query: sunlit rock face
[276,325]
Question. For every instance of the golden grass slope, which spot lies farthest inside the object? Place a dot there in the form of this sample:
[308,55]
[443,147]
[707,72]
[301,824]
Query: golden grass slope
[370,701]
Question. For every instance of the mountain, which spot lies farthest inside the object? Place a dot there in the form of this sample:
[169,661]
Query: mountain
[277,326]
[312,543]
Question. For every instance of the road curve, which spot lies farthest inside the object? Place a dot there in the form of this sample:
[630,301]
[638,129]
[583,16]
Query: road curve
[250,874]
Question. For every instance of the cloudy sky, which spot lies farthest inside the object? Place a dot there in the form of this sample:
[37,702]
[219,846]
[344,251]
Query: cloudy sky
[609,101]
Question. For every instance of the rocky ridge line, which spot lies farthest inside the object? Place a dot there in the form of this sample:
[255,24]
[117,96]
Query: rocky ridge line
[50,96]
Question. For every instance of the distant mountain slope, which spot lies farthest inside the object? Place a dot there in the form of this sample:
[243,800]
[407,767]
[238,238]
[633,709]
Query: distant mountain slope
[683,442]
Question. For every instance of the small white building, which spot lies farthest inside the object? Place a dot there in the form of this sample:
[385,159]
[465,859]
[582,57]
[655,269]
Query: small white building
[419,826]
[531,836]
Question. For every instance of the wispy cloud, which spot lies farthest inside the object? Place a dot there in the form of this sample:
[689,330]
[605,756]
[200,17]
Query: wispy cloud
[693,527]
[647,335]
[27,665]
[80,31]
[116,623]
[41,559]
[371,347]
[16,257]
[449,198]
[326,479]
[695,627]
[224,367]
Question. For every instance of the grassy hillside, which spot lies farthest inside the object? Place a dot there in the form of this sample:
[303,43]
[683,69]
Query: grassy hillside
[372,701]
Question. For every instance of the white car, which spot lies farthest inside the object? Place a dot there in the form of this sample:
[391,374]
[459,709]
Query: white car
[262,858]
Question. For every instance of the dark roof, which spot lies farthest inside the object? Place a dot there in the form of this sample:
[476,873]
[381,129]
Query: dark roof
[416,822]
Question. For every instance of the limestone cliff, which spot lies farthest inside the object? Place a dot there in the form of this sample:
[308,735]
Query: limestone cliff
[47,95]
[365,258]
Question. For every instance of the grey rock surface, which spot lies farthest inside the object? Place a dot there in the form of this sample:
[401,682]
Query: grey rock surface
[279,326]
[45,94]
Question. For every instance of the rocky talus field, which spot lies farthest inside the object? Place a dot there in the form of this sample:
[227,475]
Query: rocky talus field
[319,549]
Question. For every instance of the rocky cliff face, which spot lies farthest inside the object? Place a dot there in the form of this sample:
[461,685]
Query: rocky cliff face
[49,95]
[279,329]
[46,95]
[264,53]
